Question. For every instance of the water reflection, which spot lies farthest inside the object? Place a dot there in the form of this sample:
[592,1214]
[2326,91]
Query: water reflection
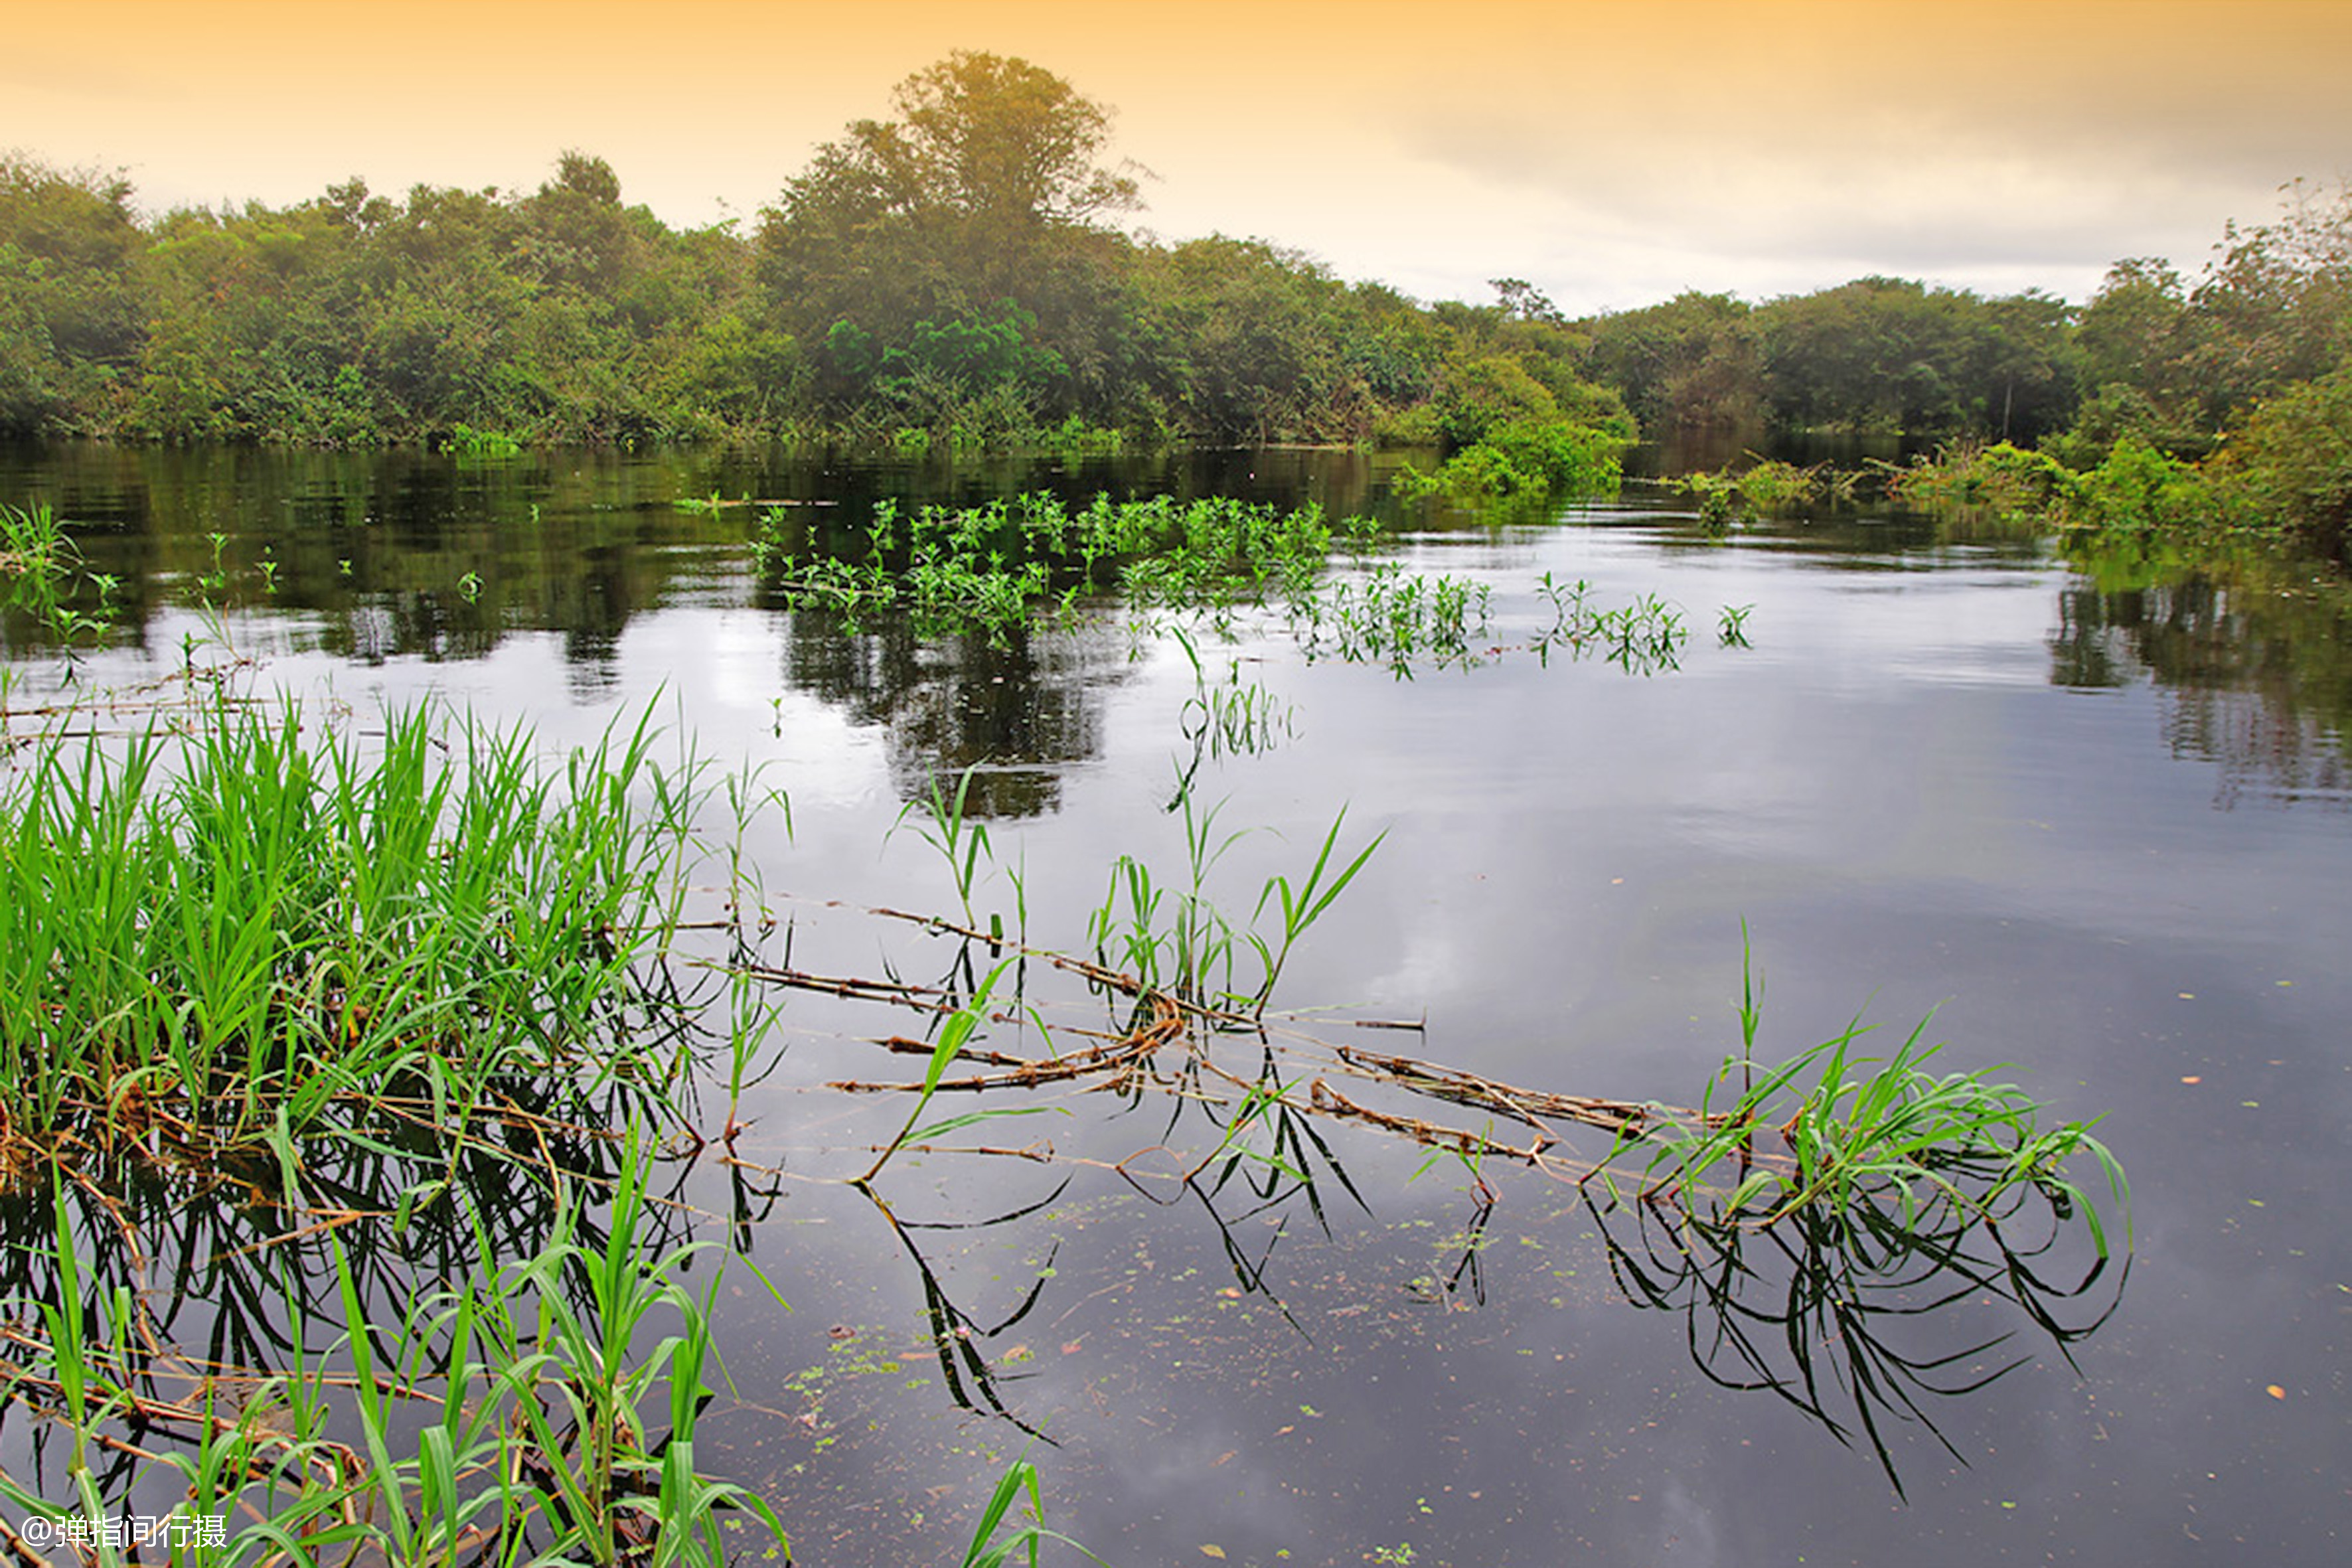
[396,556]
[1016,715]
[204,1292]
[1856,1318]
[2254,658]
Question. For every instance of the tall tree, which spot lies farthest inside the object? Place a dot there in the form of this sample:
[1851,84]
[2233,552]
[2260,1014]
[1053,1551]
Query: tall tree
[993,182]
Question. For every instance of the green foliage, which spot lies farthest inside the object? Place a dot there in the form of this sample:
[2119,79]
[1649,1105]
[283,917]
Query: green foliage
[1395,618]
[1524,456]
[1862,1144]
[243,929]
[1693,363]
[956,271]
[1185,944]
[2009,481]
[2135,488]
[994,1542]
[2292,463]
[39,567]
[1886,354]
[993,568]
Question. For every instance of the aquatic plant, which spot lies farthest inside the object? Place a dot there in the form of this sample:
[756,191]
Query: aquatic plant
[1765,484]
[986,1550]
[38,562]
[242,927]
[1861,1141]
[1230,717]
[1303,905]
[1644,636]
[1842,1322]
[994,568]
[960,841]
[468,442]
[2011,481]
[1393,616]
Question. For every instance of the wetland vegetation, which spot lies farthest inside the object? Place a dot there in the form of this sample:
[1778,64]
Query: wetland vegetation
[416,1121]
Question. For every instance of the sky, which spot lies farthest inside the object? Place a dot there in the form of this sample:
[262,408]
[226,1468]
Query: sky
[1615,154]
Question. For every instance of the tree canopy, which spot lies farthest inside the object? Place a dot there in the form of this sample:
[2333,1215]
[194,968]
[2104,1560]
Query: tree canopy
[959,269]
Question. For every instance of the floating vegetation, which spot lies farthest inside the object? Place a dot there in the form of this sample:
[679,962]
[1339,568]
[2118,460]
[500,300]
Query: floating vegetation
[476,445]
[402,995]
[1395,618]
[1736,494]
[991,569]
[1642,638]
[1861,1192]
[1013,564]
[1231,718]
[1794,1216]
[2134,488]
[2012,482]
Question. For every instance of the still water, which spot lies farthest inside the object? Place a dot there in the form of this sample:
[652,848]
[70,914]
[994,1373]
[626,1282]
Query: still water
[2088,816]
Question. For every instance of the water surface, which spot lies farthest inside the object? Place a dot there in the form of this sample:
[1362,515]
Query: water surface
[2092,817]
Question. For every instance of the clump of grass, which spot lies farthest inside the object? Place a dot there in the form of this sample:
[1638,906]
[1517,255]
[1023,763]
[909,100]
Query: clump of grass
[2008,480]
[468,443]
[215,936]
[1174,936]
[1865,1143]
[1766,484]
[1642,636]
[995,568]
[1395,618]
[1231,717]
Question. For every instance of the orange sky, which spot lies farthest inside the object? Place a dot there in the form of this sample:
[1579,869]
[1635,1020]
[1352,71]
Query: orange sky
[1614,153]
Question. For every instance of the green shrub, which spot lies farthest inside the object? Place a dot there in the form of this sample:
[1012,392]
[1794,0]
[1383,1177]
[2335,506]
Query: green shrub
[2293,462]
[2136,488]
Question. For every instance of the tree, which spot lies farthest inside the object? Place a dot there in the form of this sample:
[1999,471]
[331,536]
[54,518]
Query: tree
[997,140]
[991,185]
[1695,363]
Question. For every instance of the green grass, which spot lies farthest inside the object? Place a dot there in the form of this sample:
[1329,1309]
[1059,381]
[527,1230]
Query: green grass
[250,946]
[1865,1144]
[228,933]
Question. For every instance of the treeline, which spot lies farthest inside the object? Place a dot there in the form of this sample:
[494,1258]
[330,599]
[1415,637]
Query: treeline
[955,273]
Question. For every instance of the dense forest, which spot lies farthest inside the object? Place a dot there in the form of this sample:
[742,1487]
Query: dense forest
[959,273]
